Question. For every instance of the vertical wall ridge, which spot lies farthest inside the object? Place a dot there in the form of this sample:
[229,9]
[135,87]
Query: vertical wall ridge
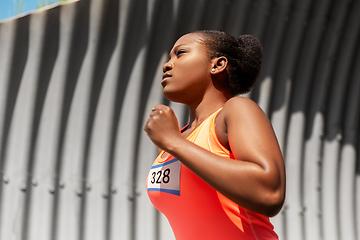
[78,80]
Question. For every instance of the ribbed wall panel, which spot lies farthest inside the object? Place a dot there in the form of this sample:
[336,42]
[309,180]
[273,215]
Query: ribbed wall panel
[77,82]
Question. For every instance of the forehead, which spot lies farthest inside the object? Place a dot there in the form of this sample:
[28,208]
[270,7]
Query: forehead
[190,39]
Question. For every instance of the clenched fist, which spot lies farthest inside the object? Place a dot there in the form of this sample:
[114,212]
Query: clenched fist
[162,127]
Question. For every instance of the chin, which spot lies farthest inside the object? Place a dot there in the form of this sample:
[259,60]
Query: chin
[174,96]
[170,97]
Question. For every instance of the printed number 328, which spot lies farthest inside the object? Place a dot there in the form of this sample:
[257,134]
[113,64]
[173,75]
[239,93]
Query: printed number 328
[161,176]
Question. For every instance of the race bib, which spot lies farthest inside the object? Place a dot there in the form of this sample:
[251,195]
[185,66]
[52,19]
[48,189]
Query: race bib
[165,177]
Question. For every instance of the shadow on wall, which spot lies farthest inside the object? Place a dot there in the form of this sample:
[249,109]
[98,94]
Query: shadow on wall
[308,87]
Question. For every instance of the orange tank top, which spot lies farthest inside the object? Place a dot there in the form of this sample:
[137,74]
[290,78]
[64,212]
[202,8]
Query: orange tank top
[195,210]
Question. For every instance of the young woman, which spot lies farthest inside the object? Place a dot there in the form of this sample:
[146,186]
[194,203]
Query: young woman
[222,176]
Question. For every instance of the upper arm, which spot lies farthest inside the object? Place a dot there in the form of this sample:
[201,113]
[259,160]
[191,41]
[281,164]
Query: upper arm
[251,138]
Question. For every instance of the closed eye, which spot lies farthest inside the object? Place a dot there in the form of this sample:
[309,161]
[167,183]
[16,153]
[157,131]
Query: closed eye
[180,52]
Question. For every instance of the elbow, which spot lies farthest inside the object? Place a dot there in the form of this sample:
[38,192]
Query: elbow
[273,203]
[270,203]
[274,197]
[273,210]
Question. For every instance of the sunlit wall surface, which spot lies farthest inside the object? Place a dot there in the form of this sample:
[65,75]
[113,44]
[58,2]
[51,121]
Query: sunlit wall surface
[78,81]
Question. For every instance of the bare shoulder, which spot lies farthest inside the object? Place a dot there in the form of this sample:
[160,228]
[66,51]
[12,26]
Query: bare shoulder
[249,132]
[237,112]
[242,107]
[236,102]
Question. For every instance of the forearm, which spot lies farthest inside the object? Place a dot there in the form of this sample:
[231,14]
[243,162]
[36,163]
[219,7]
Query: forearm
[243,181]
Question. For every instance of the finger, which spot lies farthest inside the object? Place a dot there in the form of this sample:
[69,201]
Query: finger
[155,112]
[147,125]
[160,107]
[145,128]
[156,108]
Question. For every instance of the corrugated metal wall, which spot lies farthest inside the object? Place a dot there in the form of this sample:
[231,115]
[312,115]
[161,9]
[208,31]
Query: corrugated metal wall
[77,82]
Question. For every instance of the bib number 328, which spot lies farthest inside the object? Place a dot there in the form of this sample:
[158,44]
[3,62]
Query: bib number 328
[165,177]
[161,176]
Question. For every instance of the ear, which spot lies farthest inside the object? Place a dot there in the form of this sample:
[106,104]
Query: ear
[218,65]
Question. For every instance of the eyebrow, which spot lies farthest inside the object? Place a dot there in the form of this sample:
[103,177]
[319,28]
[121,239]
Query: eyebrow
[176,48]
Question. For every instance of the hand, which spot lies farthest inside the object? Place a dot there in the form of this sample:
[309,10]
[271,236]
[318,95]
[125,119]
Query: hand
[162,127]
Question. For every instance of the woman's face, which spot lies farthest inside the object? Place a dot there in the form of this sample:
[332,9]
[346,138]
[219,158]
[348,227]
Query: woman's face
[187,73]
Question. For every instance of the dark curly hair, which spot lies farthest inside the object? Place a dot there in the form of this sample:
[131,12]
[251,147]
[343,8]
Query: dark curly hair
[244,57]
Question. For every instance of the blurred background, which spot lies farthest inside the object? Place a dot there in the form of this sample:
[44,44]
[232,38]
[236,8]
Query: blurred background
[16,8]
[78,80]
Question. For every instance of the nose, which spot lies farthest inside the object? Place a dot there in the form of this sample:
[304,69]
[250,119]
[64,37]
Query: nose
[167,66]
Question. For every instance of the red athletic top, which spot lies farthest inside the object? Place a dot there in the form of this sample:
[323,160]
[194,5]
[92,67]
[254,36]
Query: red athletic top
[195,210]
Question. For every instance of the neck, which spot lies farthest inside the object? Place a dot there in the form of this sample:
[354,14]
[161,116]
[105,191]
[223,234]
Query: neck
[204,108]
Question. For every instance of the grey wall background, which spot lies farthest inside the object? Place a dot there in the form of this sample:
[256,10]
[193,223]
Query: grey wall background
[78,81]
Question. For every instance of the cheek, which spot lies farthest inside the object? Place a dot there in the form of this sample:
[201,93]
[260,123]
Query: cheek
[194,69]
[187,82]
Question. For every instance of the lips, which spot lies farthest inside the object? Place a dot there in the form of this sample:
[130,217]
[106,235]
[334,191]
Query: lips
[165,76]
